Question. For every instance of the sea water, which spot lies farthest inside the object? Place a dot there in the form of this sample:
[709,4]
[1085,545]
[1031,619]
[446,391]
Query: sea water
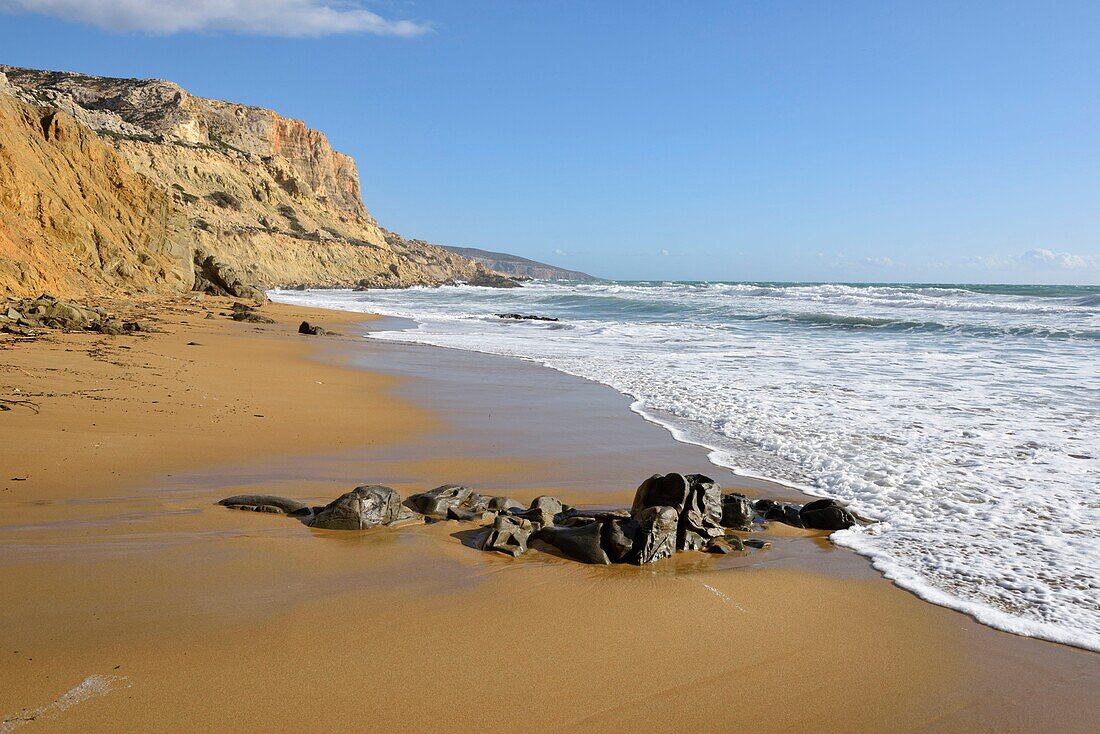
[964,420]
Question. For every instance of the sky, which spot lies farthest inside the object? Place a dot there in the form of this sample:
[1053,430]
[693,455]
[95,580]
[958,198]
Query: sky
[741,140]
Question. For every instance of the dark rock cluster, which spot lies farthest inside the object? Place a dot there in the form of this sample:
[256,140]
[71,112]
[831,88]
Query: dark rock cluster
[670,513]
[24,317]
[248,313]
[524,317]
[312,329]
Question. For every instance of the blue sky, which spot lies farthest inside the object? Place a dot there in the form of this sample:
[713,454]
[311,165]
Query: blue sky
[866,141]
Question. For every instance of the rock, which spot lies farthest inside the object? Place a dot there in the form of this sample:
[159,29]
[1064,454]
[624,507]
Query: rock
[111,328]
[826,514]
[218,279]
[436,502]
[726,545]
[488,279]
[737,511]
[508,535]
[252,317]
[306,328]
[757,543]
[500,504]
[785,512]
[581,542]
[549,504]
[619,537]
[362,508]
[522,317]
[254,501]
[458,513]
[132,326]
[697,500]
[657,537]
[669,490]
[700,520]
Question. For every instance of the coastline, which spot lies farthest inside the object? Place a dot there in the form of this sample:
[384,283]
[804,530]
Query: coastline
[120,559]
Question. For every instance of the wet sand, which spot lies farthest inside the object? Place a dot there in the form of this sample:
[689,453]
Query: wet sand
[120,573]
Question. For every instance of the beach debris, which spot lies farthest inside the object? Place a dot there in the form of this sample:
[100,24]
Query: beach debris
[524,317]
[306,328]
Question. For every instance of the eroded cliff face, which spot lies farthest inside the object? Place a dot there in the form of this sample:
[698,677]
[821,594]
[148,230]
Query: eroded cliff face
[76,218]
[263,193]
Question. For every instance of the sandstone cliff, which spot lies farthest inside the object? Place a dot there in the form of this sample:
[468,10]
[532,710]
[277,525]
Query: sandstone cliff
[74,217]
[264,194]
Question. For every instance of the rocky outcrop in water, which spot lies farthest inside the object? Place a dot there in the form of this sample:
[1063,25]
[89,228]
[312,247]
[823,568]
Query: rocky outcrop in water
[670,513]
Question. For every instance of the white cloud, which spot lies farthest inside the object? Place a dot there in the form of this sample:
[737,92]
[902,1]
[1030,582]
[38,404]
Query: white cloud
[1037,259]
[879,262]
[1065,260]
[560,253]
[261,17]
[664,253]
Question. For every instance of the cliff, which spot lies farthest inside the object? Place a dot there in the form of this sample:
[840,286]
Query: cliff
[74,217]
[519,267]
[262,193]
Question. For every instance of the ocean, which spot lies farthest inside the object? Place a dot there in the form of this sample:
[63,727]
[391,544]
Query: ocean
[963,419]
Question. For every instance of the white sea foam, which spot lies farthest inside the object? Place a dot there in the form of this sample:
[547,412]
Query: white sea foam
[967,423]
[91,687]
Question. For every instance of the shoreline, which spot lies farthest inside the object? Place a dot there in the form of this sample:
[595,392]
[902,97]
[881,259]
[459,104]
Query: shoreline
[237,584]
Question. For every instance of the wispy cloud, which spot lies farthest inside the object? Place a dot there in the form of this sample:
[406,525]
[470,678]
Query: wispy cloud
[560,252]
[878,262]
[301,18]
[1037,259]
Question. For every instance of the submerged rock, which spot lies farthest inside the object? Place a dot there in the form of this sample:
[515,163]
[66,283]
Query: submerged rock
[265,503]
[524,317]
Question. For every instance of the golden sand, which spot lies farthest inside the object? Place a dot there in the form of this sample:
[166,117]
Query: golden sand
[131,602]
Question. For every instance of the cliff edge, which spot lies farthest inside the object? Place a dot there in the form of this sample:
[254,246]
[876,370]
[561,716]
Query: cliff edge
[196,178]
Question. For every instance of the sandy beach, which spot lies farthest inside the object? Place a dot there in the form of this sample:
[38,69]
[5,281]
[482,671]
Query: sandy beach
[132,602]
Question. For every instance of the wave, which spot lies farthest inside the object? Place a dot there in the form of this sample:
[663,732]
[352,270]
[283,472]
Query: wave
[942,423]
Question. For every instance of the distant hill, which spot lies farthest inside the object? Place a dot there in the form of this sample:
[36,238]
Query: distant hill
[518,266]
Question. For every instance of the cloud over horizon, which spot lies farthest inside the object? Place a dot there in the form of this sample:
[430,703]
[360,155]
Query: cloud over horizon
[289,18]
[1039,257]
